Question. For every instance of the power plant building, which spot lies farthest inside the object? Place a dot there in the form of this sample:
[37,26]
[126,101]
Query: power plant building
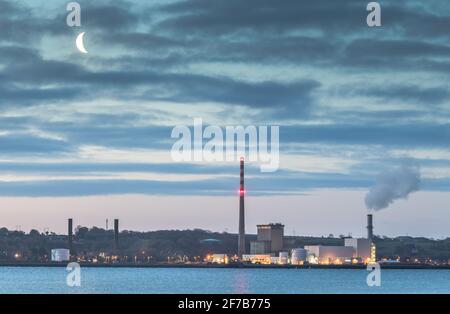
[329,254]
[60,255]
[260,247]
[264,259]
[354,250]
[362,248]
[269,239]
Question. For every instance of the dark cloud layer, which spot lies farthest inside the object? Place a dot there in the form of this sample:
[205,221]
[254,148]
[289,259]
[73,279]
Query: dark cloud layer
[294,58]
[389,135]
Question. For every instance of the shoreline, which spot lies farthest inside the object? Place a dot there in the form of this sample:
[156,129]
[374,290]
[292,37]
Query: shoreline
[231,266]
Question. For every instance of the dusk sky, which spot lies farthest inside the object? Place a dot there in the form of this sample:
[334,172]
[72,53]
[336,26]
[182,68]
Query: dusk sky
[88,136]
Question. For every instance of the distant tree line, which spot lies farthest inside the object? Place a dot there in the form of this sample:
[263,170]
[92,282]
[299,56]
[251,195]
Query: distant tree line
[182,245]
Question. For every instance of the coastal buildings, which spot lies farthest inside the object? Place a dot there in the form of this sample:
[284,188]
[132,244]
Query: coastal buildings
[362,248]
[96,245]
[260,247]
[268,244]
[263,259]
[217,258]
[60,255]
[320,254]
[269,238]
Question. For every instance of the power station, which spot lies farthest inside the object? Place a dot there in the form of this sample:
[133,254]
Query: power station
[269,243]
[269,239]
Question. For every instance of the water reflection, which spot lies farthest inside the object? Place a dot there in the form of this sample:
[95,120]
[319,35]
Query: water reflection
[241,282]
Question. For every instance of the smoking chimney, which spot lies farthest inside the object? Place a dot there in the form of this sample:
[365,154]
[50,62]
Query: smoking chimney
[116,234]
[70,234]
[241,238]
[369,227]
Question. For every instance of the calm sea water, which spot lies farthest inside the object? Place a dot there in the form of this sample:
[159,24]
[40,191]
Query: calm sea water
[185,280]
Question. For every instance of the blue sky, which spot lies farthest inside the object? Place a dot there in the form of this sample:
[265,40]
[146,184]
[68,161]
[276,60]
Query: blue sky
[351,101]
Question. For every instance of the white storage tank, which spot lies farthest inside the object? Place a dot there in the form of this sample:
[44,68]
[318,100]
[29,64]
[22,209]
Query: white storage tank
[283,258]
[298,255]
[60,255]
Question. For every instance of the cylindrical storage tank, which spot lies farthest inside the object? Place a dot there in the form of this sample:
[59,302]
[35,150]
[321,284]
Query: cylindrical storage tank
[283,258]
[298,255]
[60,255]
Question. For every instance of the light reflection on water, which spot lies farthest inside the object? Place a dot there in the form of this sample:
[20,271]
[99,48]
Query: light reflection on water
[241,283]
[209,280]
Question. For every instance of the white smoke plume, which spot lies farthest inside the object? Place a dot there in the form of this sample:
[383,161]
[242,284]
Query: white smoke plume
[392,185]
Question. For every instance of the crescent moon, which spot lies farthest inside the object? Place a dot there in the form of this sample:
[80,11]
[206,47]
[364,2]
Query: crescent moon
[80,44]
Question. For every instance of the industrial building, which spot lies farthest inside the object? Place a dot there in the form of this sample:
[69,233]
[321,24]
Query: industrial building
[264,259]
[60,255]
[267,249]
[269,243]
[217,258]
[269,239]
[362,248]
[273,233]
[260,247]
[353,251]
[320,254]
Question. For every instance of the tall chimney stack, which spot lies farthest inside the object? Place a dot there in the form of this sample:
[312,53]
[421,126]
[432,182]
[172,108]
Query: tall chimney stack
[116,234]
[70,234]
[369,227]
[241,238]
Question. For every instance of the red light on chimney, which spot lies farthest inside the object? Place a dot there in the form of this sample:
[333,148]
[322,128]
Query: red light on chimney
[241,192]
[242,159]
